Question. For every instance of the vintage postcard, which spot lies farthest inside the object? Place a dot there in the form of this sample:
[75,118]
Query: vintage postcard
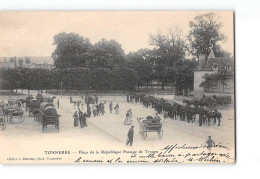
[117,87]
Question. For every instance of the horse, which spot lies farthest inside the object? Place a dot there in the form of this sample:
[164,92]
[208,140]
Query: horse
[51,99]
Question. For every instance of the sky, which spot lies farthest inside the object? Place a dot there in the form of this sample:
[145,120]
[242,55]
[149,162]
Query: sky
[31,33]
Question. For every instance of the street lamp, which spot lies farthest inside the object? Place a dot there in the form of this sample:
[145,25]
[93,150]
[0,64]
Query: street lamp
[61,89]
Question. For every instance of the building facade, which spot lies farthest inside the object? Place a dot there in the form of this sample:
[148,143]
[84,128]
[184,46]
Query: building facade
[213,65]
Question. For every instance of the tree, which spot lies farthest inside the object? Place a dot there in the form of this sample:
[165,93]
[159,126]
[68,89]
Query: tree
[27,60]
[143,68]
[223,77]
[20,62]
[101,79]
[184,74]
[124,78]
[10,79]
[211,80]
[205,34]
[107,53]
[69,48]
[13,60]
[167,50]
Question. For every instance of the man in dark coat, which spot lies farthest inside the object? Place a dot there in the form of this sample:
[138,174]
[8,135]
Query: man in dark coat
[111,107]
[130,136]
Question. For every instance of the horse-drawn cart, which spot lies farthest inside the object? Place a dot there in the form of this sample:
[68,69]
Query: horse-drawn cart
[15,113]
[150,125]
[34,106]
[50,117]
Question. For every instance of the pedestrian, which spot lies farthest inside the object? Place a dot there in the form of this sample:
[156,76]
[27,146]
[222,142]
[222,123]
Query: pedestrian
[76,117]
[88,110]
[58,103]
[80,113]
[82,120]
[130,136]
[70,99]
[78,102]
[82,104]
[96,99]
[74,104]
[117,108]
[94,109]
[210,143]
[111,107]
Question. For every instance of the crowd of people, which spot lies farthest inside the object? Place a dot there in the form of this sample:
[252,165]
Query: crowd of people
[184,112]
[94,108]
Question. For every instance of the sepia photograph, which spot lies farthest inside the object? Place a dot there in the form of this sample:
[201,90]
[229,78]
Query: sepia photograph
[117,87]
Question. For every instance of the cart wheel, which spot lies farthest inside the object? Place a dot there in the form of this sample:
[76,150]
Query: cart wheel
[160,134]
[3,125]
[21,118]
[58,126]
[145,134]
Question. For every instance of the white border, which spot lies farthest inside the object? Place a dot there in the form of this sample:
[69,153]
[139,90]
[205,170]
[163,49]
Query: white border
[247,18]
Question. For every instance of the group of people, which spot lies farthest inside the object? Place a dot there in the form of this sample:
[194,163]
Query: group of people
[80,119]
[93,107]
[173,110]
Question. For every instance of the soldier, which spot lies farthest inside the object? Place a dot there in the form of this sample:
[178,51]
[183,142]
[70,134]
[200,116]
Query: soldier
[130,136]
[200,117]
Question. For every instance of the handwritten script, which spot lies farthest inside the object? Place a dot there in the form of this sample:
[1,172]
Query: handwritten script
[169,154]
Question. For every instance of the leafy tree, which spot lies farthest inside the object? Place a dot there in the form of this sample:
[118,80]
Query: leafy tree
[223,77]
[205,34]
[184,74]
[69,47]
[124,78]
[101,79]
[27,61]
[210,80]
[10,79]
[107,53]
[20,62]
[167,50]
[143,68]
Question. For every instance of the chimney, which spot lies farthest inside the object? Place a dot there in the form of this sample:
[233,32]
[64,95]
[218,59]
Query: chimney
[201,62]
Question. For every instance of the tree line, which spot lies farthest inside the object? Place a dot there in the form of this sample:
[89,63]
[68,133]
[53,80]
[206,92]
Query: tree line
[104,65]
[119,78]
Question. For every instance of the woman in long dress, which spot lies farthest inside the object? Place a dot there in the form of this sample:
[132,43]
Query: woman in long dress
[76,117]
[117,108]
